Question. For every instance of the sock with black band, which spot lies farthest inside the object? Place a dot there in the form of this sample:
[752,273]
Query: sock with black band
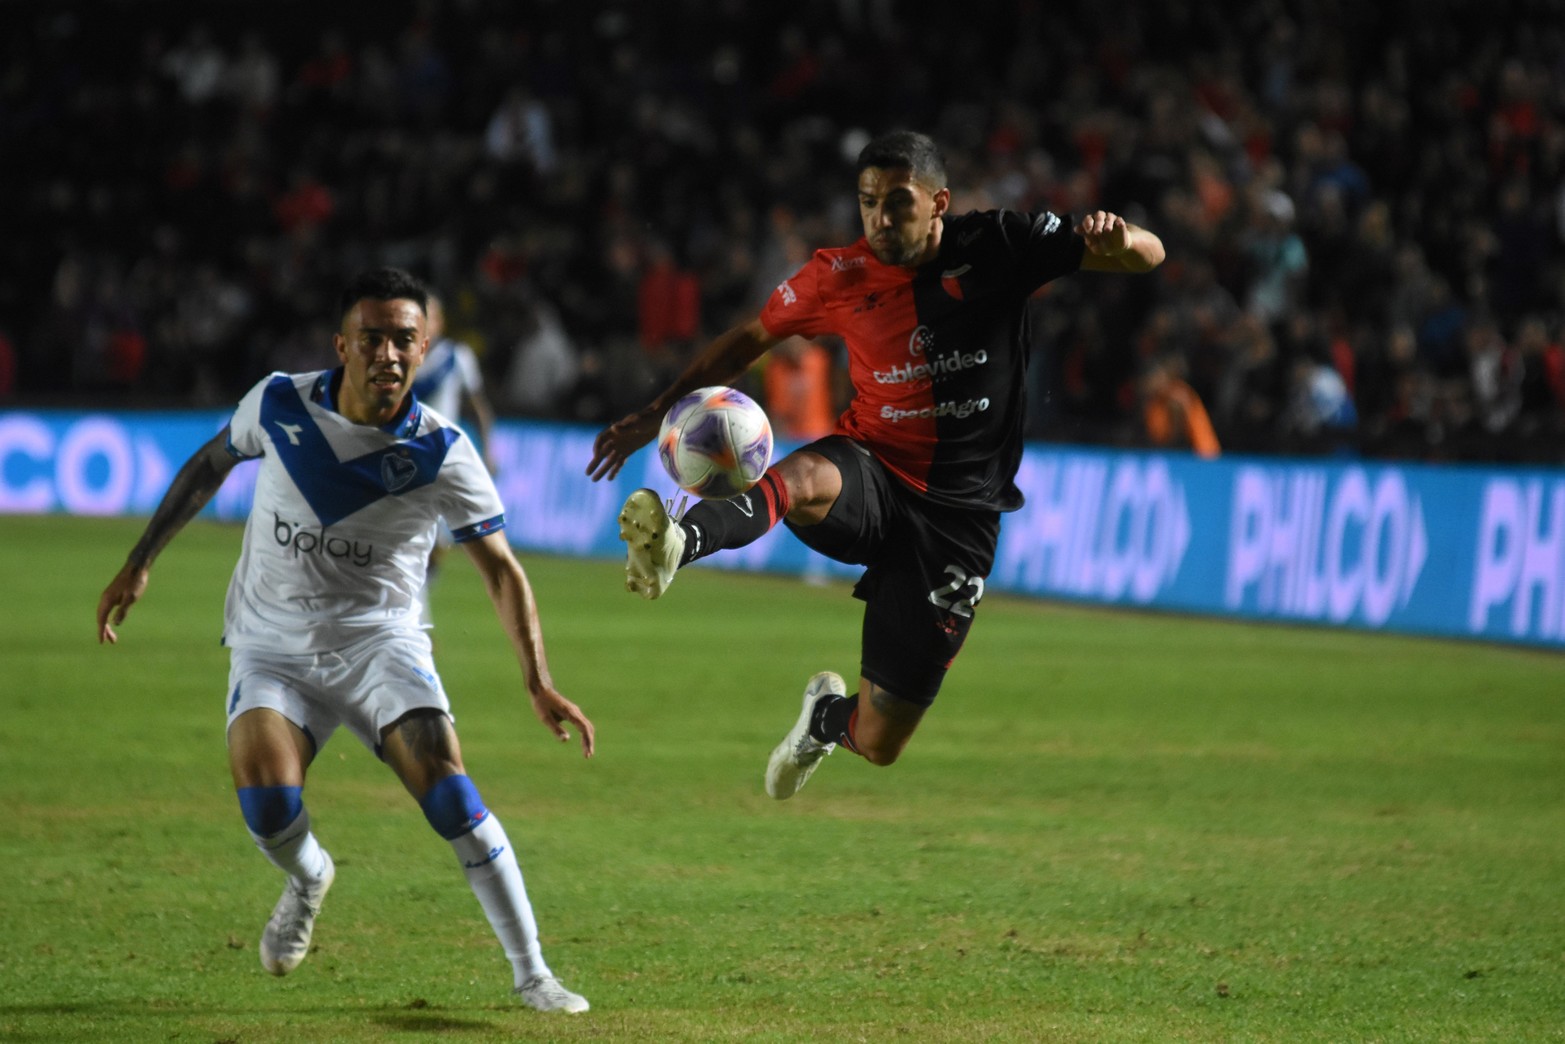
[835,719]
[713,525]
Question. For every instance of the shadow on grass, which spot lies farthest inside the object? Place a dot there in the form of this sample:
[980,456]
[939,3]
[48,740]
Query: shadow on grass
[47,1022]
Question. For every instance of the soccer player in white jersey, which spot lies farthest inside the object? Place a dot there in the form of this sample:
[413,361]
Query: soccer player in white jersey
[451,383]
[322,615]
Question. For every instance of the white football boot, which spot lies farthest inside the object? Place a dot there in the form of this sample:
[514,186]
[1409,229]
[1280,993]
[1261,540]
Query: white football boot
[286,939]
[654,543]
[800,754]
[546,993]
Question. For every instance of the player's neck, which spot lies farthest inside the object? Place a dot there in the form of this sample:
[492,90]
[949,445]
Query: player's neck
[932,247]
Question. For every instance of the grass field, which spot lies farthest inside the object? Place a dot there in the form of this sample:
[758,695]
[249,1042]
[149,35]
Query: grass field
[1113,827]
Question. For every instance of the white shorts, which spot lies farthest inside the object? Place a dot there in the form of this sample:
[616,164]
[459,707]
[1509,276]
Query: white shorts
[364,687]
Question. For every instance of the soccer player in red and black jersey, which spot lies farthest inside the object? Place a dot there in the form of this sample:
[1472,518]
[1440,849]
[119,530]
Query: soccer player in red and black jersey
[913,482]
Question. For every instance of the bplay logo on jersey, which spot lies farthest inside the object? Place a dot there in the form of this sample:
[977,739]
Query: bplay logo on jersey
[302,540]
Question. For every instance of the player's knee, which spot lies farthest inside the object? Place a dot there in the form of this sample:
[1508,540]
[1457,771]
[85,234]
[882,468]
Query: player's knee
[268,811]
[453,807]
[813,483]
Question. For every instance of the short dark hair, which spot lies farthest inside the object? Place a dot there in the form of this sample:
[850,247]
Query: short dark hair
[910,150]
[383,284]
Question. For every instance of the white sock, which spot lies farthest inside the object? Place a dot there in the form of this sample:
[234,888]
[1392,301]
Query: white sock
[294,850]
[490,864]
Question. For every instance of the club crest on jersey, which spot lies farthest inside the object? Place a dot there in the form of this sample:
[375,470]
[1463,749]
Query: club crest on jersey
[396,470]
[951,281]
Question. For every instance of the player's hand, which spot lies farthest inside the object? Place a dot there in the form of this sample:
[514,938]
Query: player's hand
[1106,234]
[614,444]
[555,711]
[124,591]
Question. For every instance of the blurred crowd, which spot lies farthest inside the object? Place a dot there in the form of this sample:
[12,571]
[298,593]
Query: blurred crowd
[1363,204]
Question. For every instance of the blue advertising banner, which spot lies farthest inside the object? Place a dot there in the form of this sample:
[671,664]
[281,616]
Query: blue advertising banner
[1455,551]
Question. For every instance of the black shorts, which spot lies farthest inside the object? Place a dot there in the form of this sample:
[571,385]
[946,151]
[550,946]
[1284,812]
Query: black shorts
[926,567]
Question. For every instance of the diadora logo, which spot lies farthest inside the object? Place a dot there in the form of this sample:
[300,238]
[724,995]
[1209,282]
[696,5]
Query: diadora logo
[842,264]
[921,340]
[494,853]
[290,430]
[304,541]
[787,292]
[397,470]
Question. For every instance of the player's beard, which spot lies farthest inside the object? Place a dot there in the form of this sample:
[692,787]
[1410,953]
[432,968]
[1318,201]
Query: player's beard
[896,252]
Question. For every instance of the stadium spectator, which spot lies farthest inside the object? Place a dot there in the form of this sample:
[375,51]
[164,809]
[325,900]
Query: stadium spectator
[323,629]
[798,383]
[1320,417]
[914,480]
[1173,416]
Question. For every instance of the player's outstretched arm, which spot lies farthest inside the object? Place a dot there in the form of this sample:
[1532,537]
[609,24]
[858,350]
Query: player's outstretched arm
[195,484]
[1115,245]
[722,361]
[514,603]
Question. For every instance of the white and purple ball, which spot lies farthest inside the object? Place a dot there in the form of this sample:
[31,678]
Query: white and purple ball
[715,442]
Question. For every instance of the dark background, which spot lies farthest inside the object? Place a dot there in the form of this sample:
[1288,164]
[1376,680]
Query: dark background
[1373,188]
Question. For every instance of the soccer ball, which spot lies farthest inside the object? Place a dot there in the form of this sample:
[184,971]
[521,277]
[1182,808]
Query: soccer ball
[715,442]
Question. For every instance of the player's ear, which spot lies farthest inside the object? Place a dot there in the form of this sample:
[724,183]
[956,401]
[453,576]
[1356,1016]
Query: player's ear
[942,201]
[340,344]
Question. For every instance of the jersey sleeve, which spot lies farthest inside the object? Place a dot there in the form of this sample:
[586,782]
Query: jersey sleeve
[1043,246]
[469,503]
[795,307]
[245,438]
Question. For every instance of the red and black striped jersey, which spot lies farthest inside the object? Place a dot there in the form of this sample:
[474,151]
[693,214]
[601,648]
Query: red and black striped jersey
[938,354]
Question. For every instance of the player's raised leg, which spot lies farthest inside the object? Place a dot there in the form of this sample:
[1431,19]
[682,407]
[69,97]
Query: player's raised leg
[802,487]
[268,755]
[423,750]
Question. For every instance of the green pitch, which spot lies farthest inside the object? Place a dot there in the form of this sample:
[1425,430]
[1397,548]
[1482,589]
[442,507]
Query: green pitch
[1113,827]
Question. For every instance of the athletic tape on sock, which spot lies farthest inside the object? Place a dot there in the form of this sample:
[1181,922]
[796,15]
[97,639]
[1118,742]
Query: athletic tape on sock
[268,811]
[453,807]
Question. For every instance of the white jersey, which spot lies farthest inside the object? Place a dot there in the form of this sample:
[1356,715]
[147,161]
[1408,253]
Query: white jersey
[338,538]
[449,372]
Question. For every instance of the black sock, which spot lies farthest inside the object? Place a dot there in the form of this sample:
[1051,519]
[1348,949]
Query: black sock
[712,525]
[829,723]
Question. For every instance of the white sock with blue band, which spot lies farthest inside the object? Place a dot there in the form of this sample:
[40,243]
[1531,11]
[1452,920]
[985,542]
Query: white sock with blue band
[280,826]
[457,813]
